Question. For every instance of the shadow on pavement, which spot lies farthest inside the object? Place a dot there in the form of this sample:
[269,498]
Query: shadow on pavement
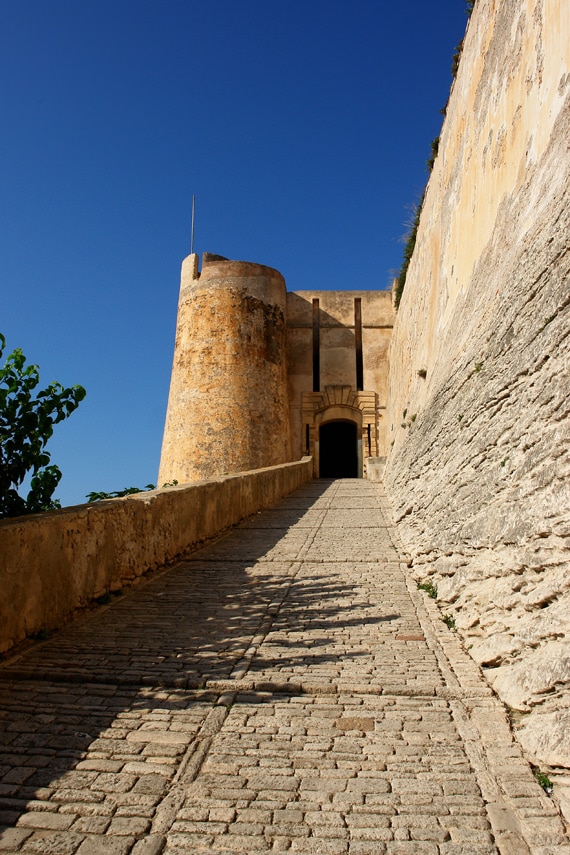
[69,707]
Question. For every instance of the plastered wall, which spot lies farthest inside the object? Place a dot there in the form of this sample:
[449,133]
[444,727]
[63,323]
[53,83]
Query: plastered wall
[479,392]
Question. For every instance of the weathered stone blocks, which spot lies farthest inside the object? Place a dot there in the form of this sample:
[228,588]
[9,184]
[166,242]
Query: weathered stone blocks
[480,478]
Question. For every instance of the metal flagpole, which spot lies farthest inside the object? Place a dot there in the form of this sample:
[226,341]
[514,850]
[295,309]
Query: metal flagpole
[192,237]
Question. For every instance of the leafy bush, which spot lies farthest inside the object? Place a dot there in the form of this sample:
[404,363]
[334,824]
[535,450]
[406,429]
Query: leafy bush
[27,418]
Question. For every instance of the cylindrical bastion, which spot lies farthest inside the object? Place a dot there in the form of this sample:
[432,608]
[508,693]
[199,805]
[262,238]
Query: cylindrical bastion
[228,406]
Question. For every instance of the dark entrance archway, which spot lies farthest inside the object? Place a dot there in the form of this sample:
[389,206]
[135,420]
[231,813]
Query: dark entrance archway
[338,453]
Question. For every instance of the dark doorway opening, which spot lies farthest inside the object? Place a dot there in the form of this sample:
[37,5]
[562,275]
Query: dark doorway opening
[338,453]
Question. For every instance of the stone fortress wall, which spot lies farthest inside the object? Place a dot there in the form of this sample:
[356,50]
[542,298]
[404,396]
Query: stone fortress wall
[478,471]
[259,375]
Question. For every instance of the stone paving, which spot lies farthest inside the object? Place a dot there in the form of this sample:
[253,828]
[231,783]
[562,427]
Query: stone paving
[286,688]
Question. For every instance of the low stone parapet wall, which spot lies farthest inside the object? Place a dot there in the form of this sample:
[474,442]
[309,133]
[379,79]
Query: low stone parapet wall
[55,563]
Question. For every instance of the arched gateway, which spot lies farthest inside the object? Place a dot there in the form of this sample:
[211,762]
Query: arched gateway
[338,450]
[340,428]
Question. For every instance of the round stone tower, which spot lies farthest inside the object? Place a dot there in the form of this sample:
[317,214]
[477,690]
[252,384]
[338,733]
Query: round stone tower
[228,406]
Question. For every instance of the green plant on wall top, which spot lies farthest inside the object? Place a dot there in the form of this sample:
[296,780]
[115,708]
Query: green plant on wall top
[27,418]
[126,491]
[116,494]
[410,238]
[409,246]
[469,6]
[434,150]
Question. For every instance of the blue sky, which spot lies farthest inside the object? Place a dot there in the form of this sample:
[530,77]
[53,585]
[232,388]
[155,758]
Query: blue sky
[301,126]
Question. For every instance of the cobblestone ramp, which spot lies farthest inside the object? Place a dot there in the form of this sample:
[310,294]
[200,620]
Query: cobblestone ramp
[286,688]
